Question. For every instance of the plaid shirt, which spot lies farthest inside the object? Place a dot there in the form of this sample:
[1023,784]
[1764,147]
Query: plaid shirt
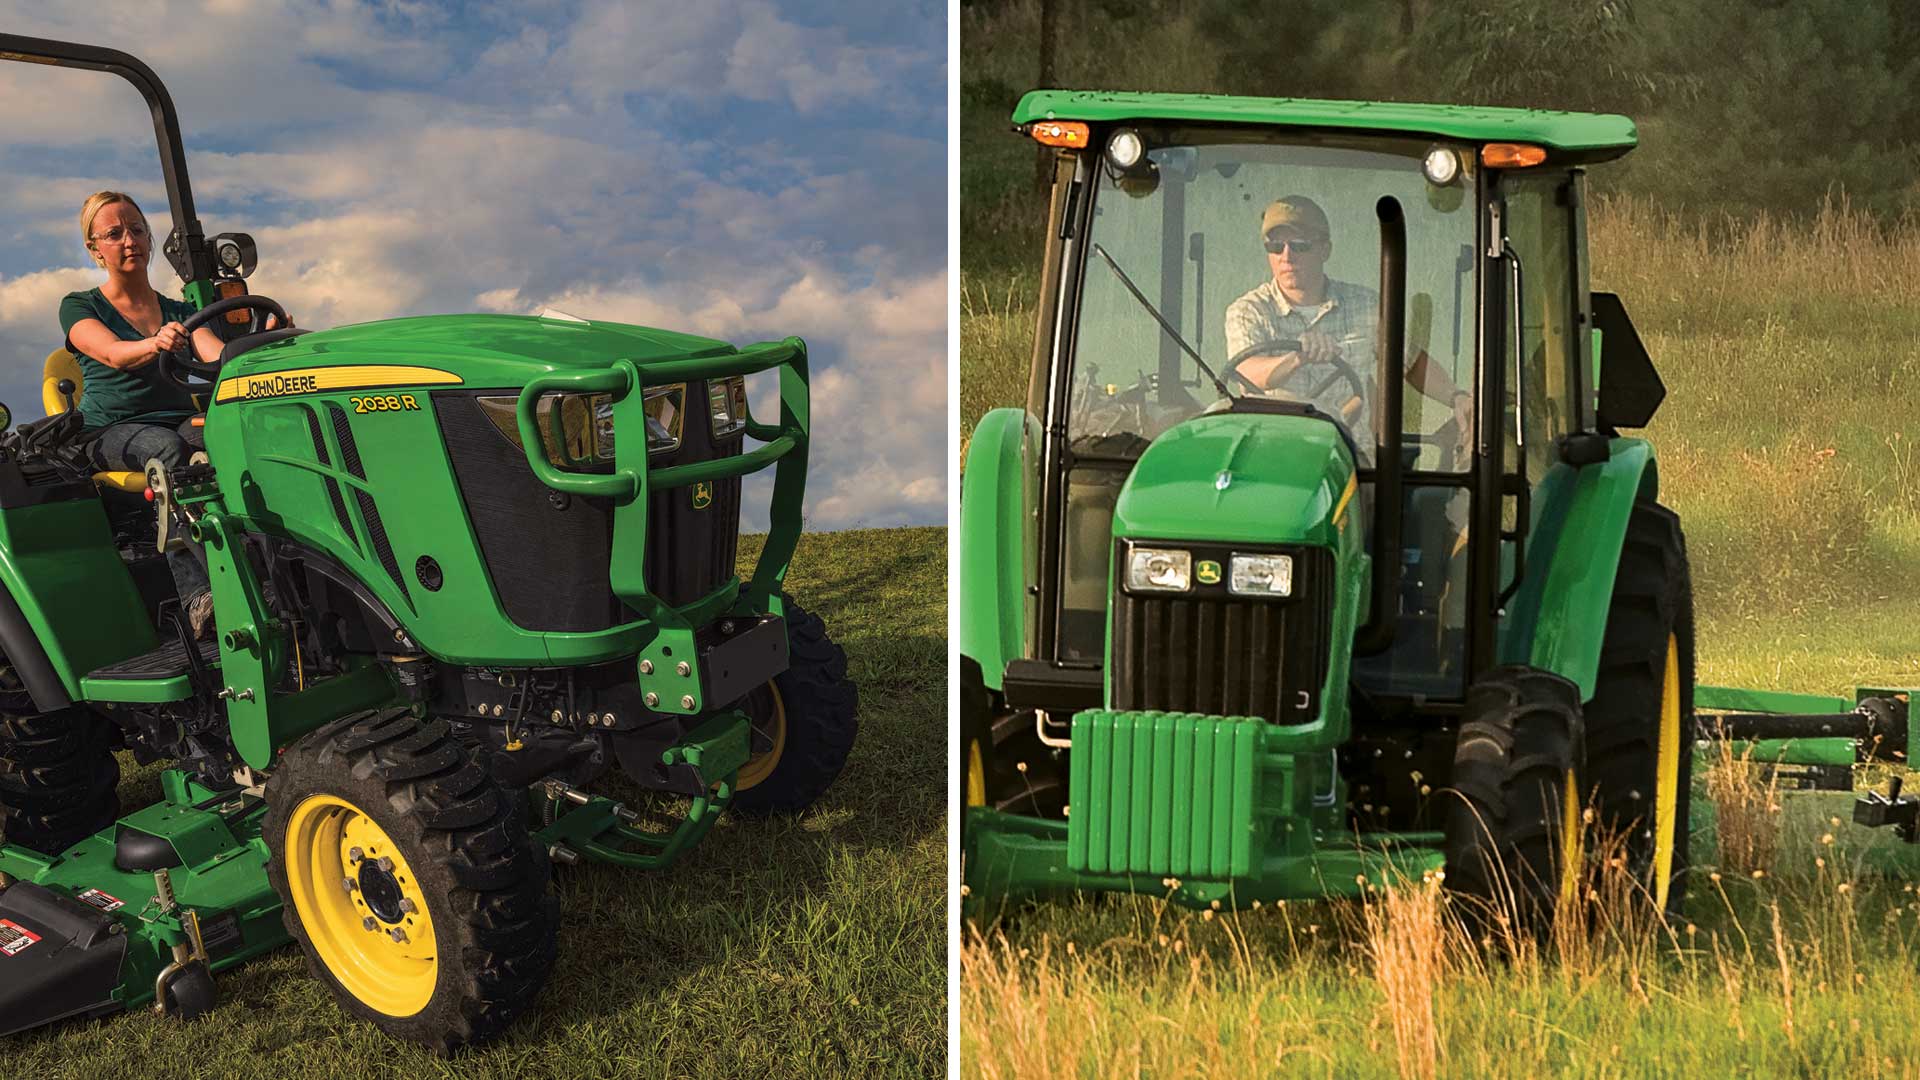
[1350,316]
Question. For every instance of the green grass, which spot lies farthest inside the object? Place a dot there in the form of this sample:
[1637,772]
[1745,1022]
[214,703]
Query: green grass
[814,946]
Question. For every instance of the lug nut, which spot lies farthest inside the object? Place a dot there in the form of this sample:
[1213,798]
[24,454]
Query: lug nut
[355,855]
[367,922]
[686,701]
[385,864]
[558,716]
[497,710]
[350,884]
[406,905]
[607,719]
[652,700]
[646,667]
[685,669]
[398,934]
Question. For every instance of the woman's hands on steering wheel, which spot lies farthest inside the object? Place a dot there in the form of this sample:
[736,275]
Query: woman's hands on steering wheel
[180,364]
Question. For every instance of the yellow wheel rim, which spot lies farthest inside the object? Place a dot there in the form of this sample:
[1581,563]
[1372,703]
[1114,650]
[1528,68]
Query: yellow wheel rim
[1666,800]
[976,775]
[760,766]
[1572,852]
[392,967]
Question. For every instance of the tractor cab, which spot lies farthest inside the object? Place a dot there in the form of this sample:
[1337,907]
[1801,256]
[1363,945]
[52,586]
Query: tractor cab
[1209,281]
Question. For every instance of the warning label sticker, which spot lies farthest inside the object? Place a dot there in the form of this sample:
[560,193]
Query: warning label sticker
[103,901]
[14,938]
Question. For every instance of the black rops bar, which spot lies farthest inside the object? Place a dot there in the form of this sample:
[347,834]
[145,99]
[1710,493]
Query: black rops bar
[187,248]
[1377,635]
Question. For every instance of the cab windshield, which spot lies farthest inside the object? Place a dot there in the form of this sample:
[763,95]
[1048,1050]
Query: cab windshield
[1246,267]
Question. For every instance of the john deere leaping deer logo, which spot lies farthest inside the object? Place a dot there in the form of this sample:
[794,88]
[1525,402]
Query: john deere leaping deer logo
[702,494]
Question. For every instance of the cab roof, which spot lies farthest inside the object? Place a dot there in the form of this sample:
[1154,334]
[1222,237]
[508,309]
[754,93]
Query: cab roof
[1584,136]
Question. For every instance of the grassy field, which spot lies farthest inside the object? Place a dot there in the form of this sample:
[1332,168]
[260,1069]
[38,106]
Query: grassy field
[1787,444]
[813,946]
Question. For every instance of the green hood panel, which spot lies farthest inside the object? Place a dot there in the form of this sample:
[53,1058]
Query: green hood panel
[1257,478]
[485,350]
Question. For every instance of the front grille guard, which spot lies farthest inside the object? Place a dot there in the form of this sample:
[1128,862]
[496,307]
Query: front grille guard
[669,658]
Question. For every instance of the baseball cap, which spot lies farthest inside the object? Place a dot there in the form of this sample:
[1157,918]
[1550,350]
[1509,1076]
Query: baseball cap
[1297,212]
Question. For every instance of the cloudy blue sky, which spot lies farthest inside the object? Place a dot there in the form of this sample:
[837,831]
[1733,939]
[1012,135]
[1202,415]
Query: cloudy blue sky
[739,168]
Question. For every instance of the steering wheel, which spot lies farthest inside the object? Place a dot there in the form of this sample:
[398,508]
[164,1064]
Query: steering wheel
[181,364]
[1341,369]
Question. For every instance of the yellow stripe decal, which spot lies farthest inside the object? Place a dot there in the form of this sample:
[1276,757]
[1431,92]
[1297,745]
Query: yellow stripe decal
[315,380]
[1340,512]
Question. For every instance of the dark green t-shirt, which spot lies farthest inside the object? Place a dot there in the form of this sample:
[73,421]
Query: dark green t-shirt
[109,395]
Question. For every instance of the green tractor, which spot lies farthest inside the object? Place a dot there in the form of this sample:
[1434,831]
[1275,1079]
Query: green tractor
[464,568]
[1317,556]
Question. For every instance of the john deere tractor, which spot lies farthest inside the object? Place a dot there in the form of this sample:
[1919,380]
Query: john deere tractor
[1284,582]
[463,567]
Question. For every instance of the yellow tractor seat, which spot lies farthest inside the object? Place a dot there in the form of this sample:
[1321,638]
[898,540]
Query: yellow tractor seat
[62,364]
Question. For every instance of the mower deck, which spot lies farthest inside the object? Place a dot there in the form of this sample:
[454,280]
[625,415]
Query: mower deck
[87,932]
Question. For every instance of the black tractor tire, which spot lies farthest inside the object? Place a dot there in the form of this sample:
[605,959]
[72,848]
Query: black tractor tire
[465,841]
[1520,738]
[58,778]
[822,721]
[1652,601]
[1002,760]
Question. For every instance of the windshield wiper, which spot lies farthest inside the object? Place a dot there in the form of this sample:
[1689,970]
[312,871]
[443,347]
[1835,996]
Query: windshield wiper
[1162,320]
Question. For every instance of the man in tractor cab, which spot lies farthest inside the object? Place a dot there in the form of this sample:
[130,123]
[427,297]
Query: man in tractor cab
[1334,323]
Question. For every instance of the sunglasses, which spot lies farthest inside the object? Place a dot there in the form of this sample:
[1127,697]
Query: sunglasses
[1278,246]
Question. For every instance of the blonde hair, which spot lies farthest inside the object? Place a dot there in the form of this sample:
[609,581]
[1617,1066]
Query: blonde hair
[97,202]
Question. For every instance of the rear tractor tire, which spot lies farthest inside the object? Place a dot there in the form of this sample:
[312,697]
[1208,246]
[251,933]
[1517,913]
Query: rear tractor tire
[809,714]
[409,880]
[1513,838]
[1640,721]
[57,774]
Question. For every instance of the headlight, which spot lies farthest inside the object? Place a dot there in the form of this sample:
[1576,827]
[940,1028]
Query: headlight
[583,436]
[666,409]
[1159,570]
[727,406]
[1260,575]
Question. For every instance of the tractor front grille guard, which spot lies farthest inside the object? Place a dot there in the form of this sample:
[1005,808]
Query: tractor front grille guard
[672,675]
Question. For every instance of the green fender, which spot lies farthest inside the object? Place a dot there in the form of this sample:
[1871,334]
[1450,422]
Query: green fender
[993,531]
[73,593]
[1558,618]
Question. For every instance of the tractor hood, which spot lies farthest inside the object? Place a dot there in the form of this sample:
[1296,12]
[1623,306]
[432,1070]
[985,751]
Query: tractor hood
[483,350]
[1255,478]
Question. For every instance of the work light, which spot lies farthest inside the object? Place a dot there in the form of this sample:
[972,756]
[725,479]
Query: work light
[1441,166]
[1159,570]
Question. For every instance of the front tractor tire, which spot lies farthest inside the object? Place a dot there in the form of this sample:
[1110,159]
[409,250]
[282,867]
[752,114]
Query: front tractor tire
[1003,764]
[1514,830]
[805,723]
[57,776]
[409,880]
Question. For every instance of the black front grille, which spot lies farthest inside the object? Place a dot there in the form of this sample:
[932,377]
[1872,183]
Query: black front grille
[548,554]
[1208,651]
